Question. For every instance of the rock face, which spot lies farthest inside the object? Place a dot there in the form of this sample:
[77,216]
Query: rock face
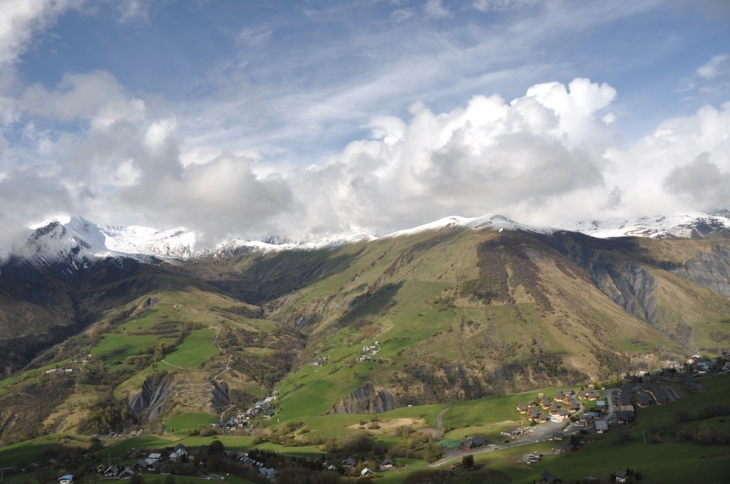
[365,400]
[220,395]
[710,270]
[152,398]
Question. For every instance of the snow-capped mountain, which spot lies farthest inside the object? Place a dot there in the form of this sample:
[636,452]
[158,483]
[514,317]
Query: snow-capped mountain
[684,225]
[79,241]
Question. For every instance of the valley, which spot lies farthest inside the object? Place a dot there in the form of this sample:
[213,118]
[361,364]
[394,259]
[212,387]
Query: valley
[361,347]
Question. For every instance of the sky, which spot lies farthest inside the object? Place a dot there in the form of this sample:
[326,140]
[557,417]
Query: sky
[303,119]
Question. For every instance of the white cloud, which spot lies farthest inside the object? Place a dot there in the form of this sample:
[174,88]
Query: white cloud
[20,19]
[501,5]
[256,35]
[96,96]
[402,14]
[435,9]
[714,67]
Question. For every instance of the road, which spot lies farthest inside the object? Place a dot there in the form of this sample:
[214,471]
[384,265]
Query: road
[541,433]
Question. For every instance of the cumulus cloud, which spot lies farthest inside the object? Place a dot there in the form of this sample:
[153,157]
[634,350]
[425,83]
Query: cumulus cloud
[545,157]
[220,198]
[96,96]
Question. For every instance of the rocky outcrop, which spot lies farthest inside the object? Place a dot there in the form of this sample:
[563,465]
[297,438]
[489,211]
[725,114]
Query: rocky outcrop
[710,270]
[152,398]
[220,395]
[365,400]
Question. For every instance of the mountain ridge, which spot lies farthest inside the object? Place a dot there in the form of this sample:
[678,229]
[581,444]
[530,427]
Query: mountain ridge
[87,240]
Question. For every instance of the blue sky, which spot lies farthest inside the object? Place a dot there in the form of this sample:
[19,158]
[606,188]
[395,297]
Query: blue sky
[244,118]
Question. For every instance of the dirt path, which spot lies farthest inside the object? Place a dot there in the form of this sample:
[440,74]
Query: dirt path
[440,422]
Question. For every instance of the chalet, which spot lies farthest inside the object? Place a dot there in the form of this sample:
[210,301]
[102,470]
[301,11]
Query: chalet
[582,395]
[180,447]
[67,479]
[100,468]
[349,463]
[554,409]
[154,456]
[545,403]
[267,471]
[531,403]
[659,394]
[573,406]
[473,443]
[387,464]
[331,468]
[601,426]
[644,400]
[153,465]
[558,436]
[366,473]
[522,408]
[601,405]
[112,471]
[139,466]
[548,478]
[625,417]
[127,473]
[565,447]
[621,476]
[559,396]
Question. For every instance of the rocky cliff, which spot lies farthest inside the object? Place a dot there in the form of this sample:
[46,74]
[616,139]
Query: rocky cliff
[365,400]
[152,398]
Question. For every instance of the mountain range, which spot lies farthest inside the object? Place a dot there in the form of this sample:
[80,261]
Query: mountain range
[461,308]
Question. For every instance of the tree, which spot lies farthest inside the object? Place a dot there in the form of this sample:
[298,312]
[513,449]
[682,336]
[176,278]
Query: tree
[467,462]
[217,447]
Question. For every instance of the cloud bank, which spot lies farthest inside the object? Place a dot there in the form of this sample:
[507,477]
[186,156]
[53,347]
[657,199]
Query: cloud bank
[546,157]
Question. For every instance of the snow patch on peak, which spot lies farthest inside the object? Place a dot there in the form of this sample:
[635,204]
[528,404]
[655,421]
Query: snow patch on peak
[683,225]
[490,221]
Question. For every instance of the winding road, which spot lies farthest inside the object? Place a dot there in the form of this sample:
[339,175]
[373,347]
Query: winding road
[440,422]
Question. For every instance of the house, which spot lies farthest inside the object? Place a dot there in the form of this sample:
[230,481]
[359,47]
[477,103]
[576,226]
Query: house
[522,408]
[112,471]
[644,400]
[601,426]
[621,476]
[601,405]
[331,468]
[267,471]
[548,478]
[67,479]
[154,456]
[545,403]
[100,468]
[52,463]
[152,465]
[558,395]
[387,464]
[139,466]
[565,447]
[573,406]
[366,473]
[127,473]
[349,463]
[180,448]
[473,443]
[558,436]
[625,417]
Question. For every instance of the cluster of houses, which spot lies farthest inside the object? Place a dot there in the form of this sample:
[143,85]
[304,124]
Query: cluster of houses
[241,420]
[559,410]
[372,349]
[620,476]
[160,462]
[80,359]
[349,464]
